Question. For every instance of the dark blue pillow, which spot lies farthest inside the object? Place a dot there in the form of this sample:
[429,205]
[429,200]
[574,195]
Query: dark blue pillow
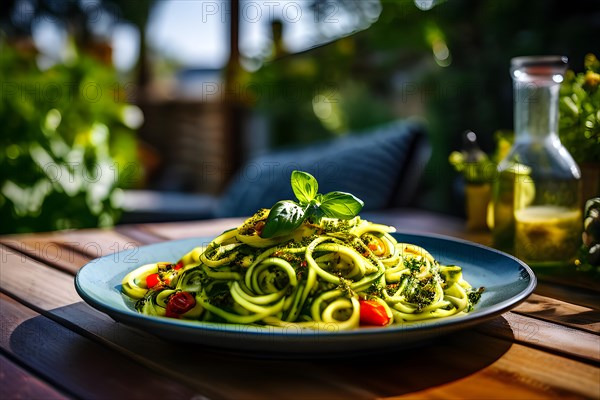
[369,165]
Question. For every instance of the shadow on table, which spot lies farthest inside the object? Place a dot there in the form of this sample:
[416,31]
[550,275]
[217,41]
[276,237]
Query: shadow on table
[225,374]
[443,360]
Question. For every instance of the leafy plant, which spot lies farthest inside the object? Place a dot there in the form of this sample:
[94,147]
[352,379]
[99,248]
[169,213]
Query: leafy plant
[579,107]
[68,143]
[588,260]
[449,64]
[286,215]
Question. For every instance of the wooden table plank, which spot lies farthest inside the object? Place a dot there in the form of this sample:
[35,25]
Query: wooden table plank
[568,275]
[34,281]
[76,364]
[563,378]
[67,254]
[52,292]
[47,249]
[139,234]
[241,376]
[571,294]
[202,229]
[69,250]
[96,243]
[556,353]
[53,289]
[17,383]
[517,375]
[551,337]
[477,365]
[560,312]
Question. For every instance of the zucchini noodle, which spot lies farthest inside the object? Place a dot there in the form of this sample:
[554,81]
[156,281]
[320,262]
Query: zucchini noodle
[320,274]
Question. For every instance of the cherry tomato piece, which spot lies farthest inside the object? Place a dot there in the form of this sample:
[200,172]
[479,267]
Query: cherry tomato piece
[377,247]
[179,265]
[152,280]
[373,313]
[180,303]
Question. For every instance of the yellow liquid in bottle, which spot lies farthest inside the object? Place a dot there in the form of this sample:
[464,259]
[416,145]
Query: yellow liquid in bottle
[547,235]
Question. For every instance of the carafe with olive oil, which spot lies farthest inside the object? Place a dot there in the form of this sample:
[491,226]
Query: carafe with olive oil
[536,193]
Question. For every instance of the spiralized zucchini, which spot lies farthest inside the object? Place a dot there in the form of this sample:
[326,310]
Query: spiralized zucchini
[319,274]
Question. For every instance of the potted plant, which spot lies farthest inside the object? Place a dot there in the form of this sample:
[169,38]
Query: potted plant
[579,123]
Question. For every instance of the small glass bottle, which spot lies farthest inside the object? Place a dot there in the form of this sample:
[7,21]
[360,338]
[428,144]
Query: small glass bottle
[536,193]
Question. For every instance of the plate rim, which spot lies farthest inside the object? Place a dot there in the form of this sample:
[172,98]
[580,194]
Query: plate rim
[199,327]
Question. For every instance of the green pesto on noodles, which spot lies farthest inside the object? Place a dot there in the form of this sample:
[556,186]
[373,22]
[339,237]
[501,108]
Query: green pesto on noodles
[345,272]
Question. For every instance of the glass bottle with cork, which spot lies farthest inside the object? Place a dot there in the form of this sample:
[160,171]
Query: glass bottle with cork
[537,190]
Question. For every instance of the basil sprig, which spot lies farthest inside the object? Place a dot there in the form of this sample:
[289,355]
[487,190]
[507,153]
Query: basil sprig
[287,215]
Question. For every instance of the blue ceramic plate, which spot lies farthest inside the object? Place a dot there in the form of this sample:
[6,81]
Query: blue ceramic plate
[507,282]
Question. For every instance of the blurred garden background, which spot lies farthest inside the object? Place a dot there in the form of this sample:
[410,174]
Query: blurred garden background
[102,99]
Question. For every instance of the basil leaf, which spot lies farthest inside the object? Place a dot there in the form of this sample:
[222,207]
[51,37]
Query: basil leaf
[305,186]
[341,205]
[284,217]
[314,214]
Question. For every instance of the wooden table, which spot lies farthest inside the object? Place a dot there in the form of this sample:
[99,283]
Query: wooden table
[53,345]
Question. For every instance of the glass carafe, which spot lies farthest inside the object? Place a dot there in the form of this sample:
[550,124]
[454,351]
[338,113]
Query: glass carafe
[536,193]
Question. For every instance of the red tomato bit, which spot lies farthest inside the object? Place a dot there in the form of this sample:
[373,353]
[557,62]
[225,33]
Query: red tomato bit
[152,280]
[373,313]
[180,303]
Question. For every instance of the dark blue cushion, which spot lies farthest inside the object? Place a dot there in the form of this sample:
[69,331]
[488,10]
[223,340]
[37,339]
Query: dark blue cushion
[371,165]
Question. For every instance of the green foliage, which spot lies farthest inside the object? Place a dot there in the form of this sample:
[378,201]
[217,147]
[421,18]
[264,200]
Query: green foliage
[67,145]
[340,205]
[305,186]
[579,124]
[303,94]
[396,68]
[286,215]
